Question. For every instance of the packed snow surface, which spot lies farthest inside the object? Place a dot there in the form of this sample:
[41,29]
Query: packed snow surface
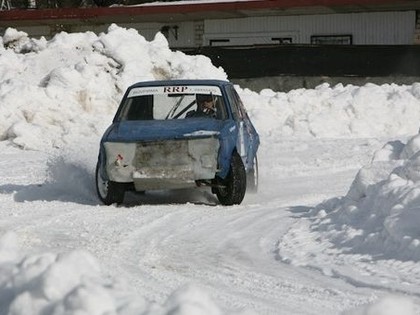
[334,228]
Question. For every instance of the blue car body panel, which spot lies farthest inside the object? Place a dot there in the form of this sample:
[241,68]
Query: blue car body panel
[227,130]
[133,131]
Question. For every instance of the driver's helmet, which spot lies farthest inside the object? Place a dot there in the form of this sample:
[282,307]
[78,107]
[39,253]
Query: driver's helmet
[205,108]
[201,98]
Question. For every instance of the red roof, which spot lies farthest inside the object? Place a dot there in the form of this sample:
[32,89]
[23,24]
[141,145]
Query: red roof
[178,11]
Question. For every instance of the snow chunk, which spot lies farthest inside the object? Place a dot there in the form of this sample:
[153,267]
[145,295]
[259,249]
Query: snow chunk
[72,283]
[390,305]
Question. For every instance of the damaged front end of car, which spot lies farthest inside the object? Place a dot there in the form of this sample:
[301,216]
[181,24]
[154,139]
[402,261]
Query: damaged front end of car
[167,164]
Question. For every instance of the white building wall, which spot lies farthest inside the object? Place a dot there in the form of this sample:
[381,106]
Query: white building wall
[376,28]
[181,36]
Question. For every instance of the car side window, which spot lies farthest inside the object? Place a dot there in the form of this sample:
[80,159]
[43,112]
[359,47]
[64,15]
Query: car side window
[233,104]
[241,106]
[238,109]
[138,108]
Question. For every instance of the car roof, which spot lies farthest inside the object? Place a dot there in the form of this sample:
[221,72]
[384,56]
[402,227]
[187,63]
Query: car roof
[180,82]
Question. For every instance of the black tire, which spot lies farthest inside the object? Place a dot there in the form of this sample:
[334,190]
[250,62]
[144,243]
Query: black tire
[231,190]
[109,192]
[252,178]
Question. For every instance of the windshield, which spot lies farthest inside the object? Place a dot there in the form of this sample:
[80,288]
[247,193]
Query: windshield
[173,102]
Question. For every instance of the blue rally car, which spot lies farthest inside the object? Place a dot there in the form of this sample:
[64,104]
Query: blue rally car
[179,134]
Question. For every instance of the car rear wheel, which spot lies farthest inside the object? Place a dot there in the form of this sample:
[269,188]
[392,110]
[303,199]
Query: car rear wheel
[252,178]
[231,190]
[109,192]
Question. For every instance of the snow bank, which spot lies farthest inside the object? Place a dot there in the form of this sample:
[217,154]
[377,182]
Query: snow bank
[72,283]
[370,233]
[380,213]
[54,92]
[337,112]
[377,218]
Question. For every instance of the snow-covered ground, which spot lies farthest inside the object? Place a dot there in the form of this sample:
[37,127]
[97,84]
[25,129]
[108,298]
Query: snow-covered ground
[334,228]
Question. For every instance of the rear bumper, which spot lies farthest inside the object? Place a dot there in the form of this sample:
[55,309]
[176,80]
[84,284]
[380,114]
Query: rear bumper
[165,164]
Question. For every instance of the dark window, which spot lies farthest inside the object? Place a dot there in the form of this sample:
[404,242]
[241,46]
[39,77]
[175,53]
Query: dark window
[331,39]
[238,109]
[233,103]
[139,108]
[218,42]
[282,40]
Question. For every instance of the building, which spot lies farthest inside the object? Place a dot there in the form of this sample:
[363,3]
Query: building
[328,37]
[263,22]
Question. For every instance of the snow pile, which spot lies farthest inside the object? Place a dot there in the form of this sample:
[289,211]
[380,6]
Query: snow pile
[369,233]
[72,283]
[339,111]
[53,92]
[380,213]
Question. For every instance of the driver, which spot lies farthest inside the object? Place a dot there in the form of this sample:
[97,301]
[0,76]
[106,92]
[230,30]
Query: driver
[206,106]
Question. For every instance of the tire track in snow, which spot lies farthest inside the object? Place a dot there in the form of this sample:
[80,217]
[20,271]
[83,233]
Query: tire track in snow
[215,247]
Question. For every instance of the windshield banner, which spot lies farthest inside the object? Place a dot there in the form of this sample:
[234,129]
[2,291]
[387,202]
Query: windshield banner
[178,89]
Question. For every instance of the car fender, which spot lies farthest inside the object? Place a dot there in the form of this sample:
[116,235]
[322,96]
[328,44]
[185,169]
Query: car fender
[228,141]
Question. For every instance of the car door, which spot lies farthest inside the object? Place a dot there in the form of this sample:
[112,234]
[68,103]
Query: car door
[248,140]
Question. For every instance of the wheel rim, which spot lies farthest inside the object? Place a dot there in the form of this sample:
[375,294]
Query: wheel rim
[223,188]
[223,191]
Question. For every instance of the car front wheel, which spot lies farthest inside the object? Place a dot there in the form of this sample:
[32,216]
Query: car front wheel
[108,192]
[231,190]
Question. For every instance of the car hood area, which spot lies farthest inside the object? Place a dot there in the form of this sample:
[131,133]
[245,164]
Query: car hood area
[154,130]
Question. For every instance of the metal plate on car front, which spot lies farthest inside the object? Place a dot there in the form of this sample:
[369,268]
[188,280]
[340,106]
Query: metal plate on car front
[174,163]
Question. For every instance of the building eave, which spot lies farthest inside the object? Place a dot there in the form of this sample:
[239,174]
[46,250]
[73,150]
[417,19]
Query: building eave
[192,11]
